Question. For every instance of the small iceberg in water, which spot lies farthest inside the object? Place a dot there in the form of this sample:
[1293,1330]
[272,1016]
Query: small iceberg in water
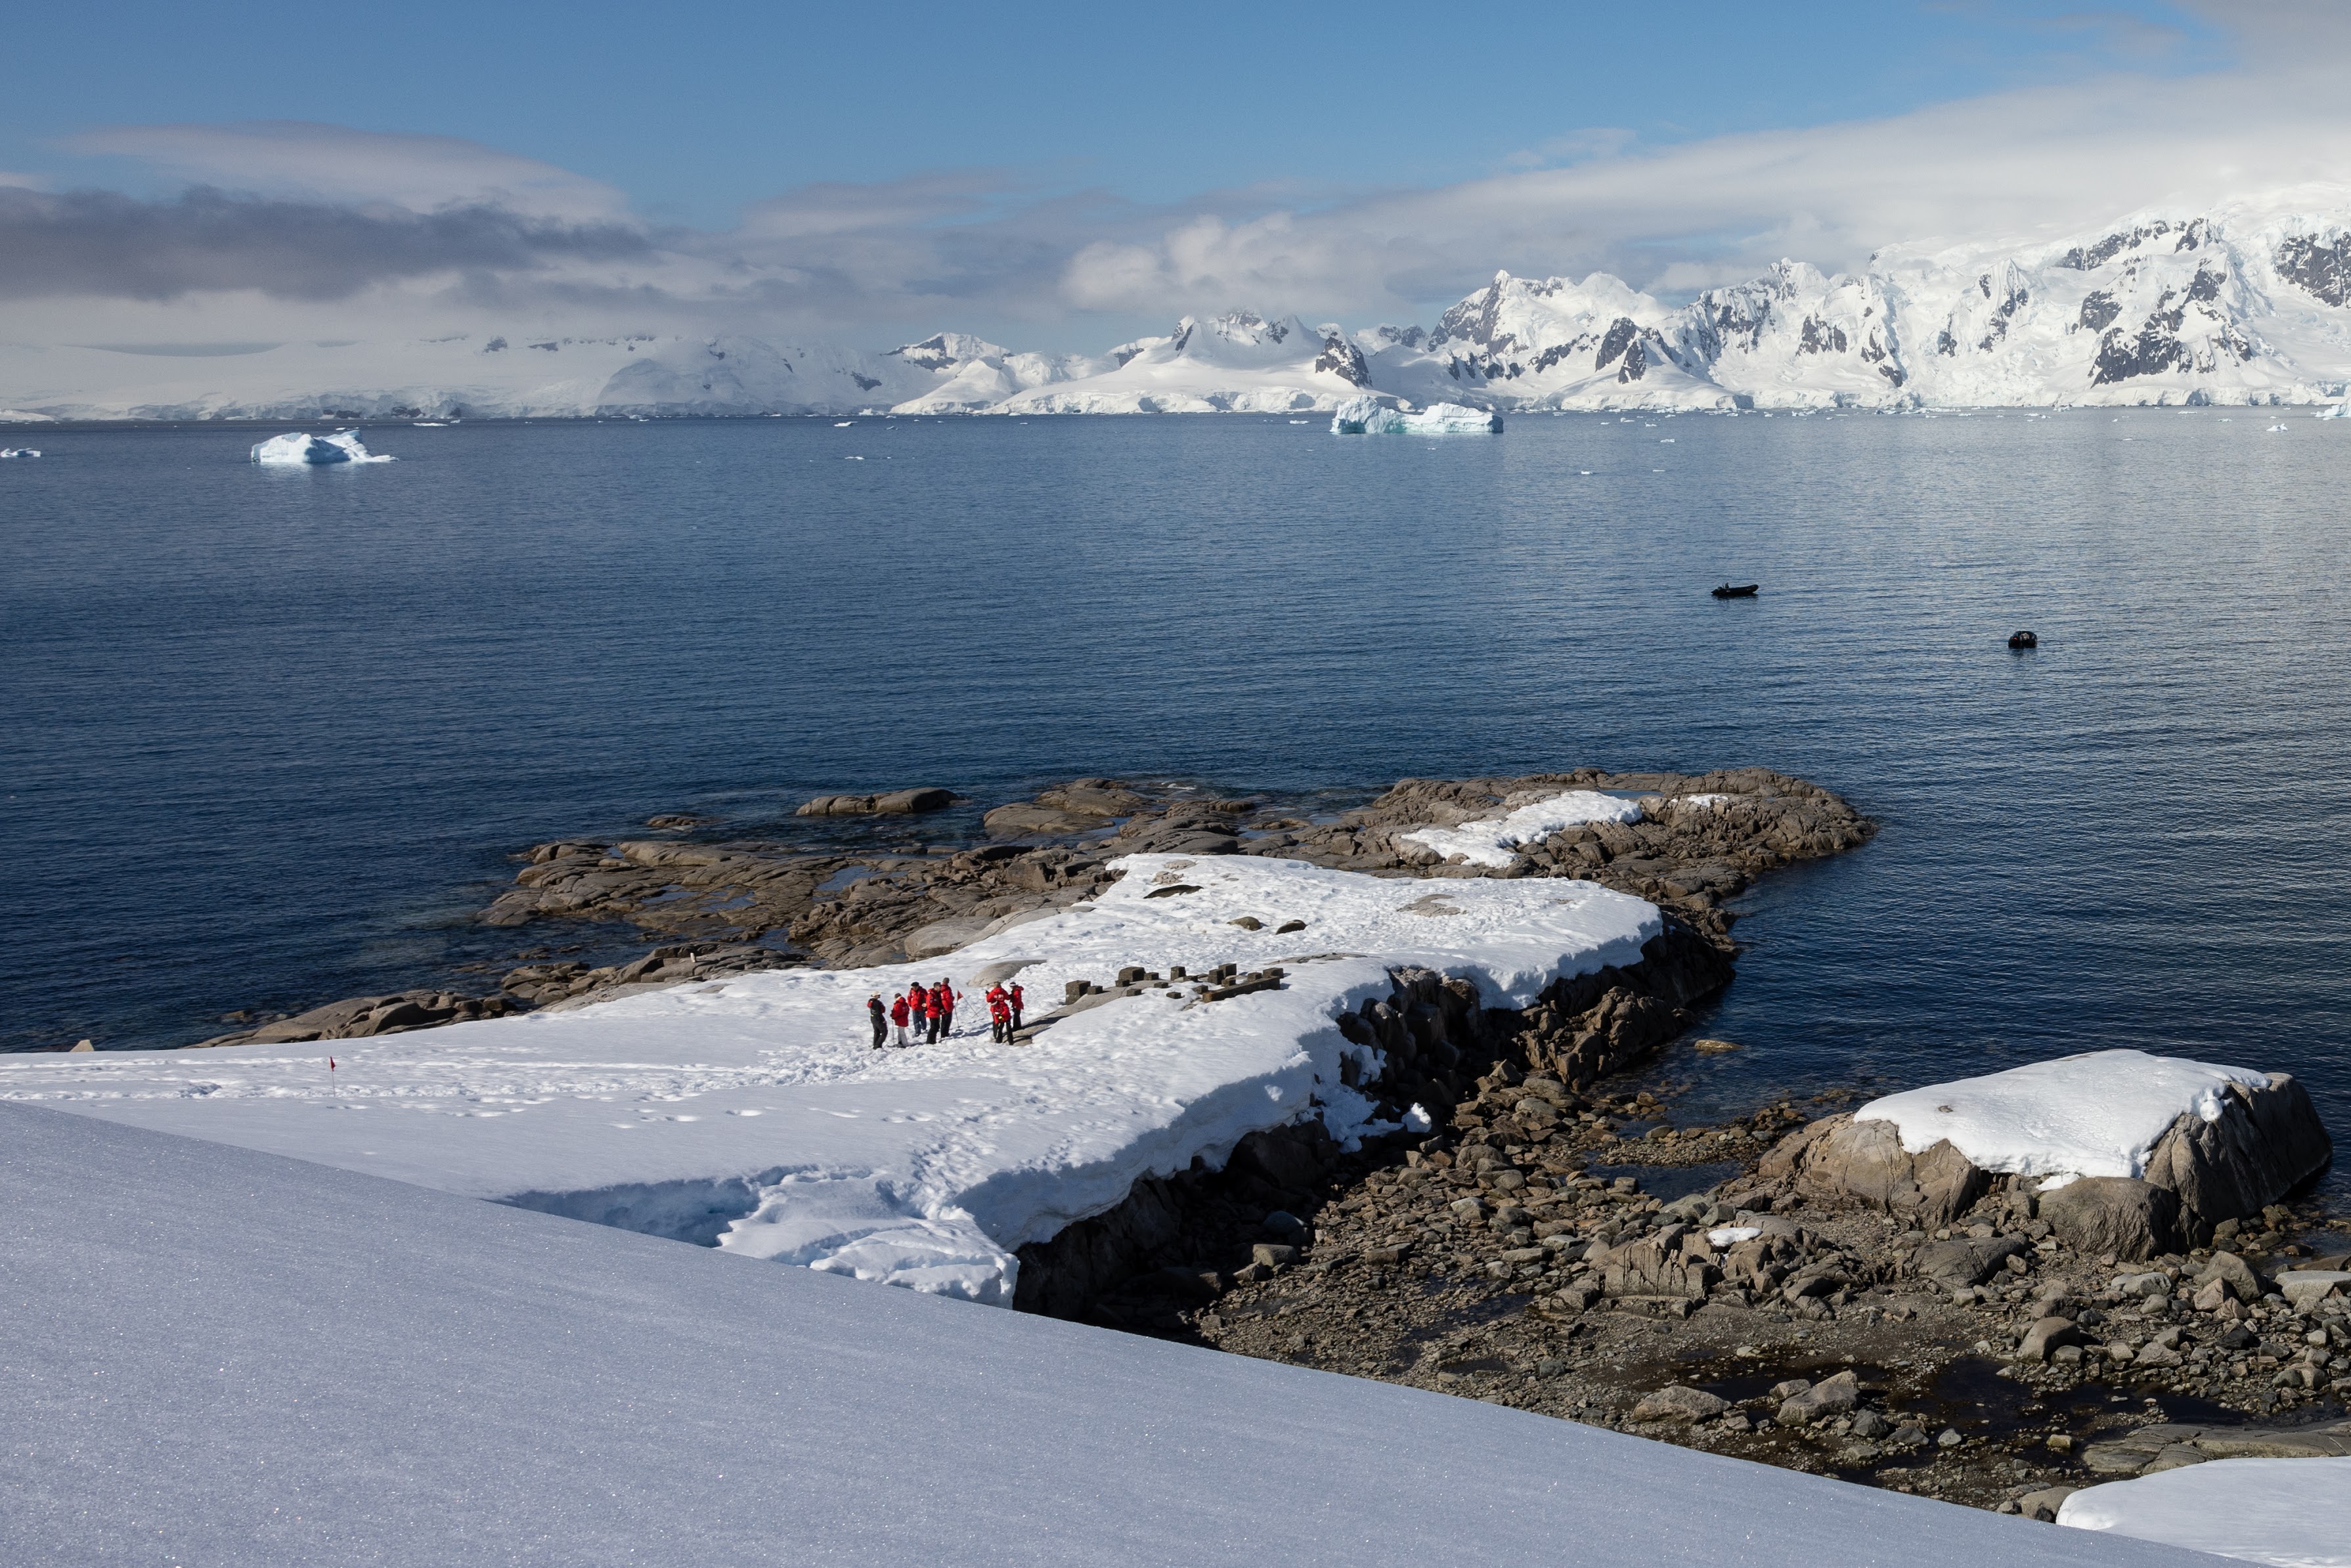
[2337,411]
[1369,416]
[18,452]
[299,449]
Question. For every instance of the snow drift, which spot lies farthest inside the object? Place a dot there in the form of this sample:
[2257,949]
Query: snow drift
[2293,1513]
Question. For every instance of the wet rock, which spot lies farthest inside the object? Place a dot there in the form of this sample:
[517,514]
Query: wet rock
[894,802]
[2130,1218]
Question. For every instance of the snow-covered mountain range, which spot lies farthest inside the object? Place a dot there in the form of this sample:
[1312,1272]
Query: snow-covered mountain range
[2247,303]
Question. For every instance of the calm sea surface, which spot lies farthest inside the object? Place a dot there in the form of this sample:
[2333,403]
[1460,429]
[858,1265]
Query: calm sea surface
[266,738]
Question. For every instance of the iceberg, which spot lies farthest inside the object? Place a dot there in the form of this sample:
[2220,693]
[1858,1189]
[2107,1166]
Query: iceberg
[19,452]
[1369,416]
[296,448]
[2335,410]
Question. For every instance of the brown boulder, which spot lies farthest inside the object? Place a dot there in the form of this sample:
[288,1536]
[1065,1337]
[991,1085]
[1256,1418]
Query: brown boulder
[1840,1157]
[2130,1218]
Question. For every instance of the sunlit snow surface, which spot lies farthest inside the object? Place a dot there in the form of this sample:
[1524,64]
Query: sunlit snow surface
[753,1111]
[227,1359]
[299,449]
[2094,1115]
[1493,840]
[2294,1513]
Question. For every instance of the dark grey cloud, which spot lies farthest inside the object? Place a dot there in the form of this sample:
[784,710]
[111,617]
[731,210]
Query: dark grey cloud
[105,243]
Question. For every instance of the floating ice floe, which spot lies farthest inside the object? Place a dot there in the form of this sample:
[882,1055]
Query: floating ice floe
[2294,1513]
[298,448]
[1370,416]
[2338,410]
[6,452]
[753,1114]
[2099,1114]
[1494,840]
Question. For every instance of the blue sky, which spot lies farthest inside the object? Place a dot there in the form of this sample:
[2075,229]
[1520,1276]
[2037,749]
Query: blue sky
[1065,176]
[694,111]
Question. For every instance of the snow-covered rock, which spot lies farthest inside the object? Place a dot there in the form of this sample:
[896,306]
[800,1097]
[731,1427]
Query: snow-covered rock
[2291,1513]
[753,1114]
[1549,343]
[2162,1141]
[1236,363]
[1370,416]
[1493,840]
[299,449]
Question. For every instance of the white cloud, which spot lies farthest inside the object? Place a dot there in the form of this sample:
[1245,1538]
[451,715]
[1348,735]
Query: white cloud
[282,157]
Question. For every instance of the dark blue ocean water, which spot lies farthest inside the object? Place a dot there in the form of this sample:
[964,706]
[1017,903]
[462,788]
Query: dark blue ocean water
[269,736]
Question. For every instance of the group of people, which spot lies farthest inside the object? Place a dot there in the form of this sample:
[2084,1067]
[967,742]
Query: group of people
[925,1014]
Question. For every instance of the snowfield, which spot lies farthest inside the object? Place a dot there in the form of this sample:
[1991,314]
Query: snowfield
[2098,1115]
[247,1362]
[2293,1513]
[753,1114]
[2248,303]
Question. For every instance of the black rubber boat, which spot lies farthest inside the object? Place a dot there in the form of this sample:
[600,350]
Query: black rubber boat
[1736,590]
[2024,640]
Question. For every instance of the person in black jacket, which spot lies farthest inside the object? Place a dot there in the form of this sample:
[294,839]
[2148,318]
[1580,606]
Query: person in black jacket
[880,1016]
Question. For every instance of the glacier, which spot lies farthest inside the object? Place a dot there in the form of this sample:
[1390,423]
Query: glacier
[2247,303]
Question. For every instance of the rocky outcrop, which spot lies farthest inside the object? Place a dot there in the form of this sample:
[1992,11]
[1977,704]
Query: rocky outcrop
[896,802]
[2267,1141]
[361,1017]
[1838,1156]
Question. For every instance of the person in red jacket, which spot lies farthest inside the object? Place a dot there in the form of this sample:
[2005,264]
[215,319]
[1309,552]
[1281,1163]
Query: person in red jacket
[1013,999]
[943,1001]
[918,1011]
[999,1018]
[898,1015]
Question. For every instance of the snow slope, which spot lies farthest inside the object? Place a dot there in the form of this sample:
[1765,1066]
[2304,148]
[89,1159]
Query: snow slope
[231,1358]
[2294,1513]
[2097,1114]
[751,1112]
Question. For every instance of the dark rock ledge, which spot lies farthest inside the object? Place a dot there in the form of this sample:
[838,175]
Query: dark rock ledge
[720,909]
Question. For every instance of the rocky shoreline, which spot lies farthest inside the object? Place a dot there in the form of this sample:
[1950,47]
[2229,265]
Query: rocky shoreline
[1542,1241]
